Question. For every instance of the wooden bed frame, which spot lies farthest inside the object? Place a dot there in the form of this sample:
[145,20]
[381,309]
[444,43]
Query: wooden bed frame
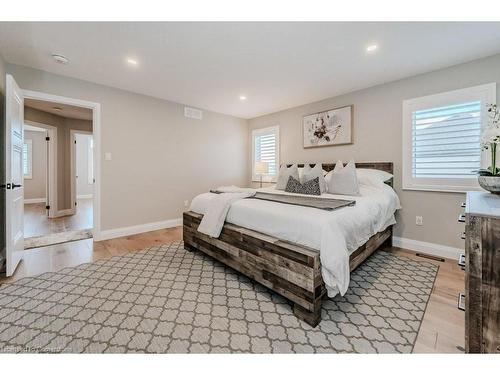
[292,270]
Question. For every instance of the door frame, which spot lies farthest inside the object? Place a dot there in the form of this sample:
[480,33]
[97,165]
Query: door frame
[51,194]
[72,138]
[96,129]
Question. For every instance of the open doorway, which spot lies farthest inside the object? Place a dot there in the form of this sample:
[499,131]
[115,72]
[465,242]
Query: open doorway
[58,208]
[82,176]
[16,157]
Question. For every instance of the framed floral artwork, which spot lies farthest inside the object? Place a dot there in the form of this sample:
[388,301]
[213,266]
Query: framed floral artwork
[328,128]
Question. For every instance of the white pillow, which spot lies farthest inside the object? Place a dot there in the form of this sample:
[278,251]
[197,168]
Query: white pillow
[309,173]
[343,180]
[284,174]
[301,173]
[372,177]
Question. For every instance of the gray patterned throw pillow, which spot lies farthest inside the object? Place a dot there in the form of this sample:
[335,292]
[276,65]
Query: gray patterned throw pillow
[310,187]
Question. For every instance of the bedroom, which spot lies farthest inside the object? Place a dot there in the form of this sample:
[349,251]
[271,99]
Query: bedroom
[311,204]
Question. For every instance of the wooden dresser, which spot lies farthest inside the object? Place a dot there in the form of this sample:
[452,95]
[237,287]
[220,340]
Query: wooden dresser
[482,268]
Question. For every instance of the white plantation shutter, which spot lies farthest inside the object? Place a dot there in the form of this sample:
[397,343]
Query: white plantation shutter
[265,148]
[441,139]
[446,141]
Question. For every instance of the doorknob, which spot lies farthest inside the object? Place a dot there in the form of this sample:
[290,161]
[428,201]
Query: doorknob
[15,185]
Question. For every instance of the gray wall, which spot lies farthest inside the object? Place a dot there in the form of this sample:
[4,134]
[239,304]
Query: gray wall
[36,186]
[378,137]
[82,165]
[159,157]
[64,126]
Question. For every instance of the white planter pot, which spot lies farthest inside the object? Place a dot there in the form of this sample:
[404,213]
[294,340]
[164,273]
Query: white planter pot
[490,183]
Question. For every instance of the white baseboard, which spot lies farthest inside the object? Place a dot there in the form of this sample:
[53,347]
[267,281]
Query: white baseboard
[136,229]
[84,196]
[428,248]
[35,200]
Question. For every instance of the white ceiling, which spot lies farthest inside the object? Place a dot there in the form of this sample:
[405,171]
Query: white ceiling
[63,110]
[276,65]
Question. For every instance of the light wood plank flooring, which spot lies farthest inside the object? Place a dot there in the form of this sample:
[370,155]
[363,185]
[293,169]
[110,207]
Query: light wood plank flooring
[442,329]
[37,223]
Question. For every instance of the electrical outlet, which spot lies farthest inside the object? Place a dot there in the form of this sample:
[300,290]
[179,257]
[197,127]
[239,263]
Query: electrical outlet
[419,220]
[186,204]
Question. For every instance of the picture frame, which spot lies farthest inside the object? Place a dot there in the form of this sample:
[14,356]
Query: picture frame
[332,127]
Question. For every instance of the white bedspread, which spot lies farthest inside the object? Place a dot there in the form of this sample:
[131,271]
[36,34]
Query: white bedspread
[334,233]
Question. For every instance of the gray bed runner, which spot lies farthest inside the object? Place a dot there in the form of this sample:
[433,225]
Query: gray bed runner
[327,204]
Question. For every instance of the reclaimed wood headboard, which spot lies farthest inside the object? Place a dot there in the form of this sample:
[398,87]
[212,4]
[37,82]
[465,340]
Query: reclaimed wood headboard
[387,166]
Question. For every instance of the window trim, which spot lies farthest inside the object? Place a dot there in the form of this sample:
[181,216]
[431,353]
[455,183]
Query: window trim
[29,143]
[486,93]
[255,132]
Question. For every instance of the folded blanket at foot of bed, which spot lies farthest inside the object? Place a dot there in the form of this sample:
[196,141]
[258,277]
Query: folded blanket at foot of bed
[327,204]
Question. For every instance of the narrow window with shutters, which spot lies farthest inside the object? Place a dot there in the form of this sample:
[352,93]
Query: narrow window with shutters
[441,139]
[265,148]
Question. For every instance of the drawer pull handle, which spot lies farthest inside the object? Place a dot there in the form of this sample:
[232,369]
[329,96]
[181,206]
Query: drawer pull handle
[461,260]
[463,236]
[461,301]
[461,218]
[462,205]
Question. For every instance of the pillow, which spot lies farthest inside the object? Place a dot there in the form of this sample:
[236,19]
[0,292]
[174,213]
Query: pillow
[284,174]
[343,180]
[301,173]
[309,173]
[372,177]
[310,187]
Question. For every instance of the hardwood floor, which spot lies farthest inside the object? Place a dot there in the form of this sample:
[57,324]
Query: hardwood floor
[37,223]
[442,329]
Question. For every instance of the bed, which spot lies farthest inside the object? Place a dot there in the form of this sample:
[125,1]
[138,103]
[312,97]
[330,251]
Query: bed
[285,257]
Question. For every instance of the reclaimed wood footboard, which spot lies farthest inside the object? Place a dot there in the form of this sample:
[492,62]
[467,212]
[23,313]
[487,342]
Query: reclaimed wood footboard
[292,270]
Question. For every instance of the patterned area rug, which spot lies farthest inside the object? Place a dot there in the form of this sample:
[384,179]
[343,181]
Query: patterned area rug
[168,300]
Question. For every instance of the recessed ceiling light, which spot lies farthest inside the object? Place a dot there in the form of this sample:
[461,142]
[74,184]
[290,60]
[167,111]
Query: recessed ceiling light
[132,62]
[371,48]
[243,97]
[57,108]
[60,59]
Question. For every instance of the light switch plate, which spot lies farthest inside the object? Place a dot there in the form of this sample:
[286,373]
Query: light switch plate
[107,156]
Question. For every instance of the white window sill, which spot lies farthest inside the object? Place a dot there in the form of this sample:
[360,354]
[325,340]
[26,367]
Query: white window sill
[443,189]
[264,181]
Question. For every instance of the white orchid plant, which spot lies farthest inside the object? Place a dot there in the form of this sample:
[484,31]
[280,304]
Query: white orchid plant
[490,139]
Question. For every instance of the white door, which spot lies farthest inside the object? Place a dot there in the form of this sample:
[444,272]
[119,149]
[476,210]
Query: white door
[14,139]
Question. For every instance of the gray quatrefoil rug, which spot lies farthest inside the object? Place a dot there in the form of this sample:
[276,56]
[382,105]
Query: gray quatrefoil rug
[167,300]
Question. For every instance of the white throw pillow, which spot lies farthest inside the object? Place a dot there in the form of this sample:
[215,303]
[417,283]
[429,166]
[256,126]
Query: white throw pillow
[301,173]
[309,173]
[343,180]
[284,174]
[372,177]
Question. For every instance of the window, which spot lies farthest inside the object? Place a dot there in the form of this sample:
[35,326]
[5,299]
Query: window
[28,159]
[90,153]
[441,139]
[265,148]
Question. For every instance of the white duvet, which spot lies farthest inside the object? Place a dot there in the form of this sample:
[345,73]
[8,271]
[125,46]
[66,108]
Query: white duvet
[335,234]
